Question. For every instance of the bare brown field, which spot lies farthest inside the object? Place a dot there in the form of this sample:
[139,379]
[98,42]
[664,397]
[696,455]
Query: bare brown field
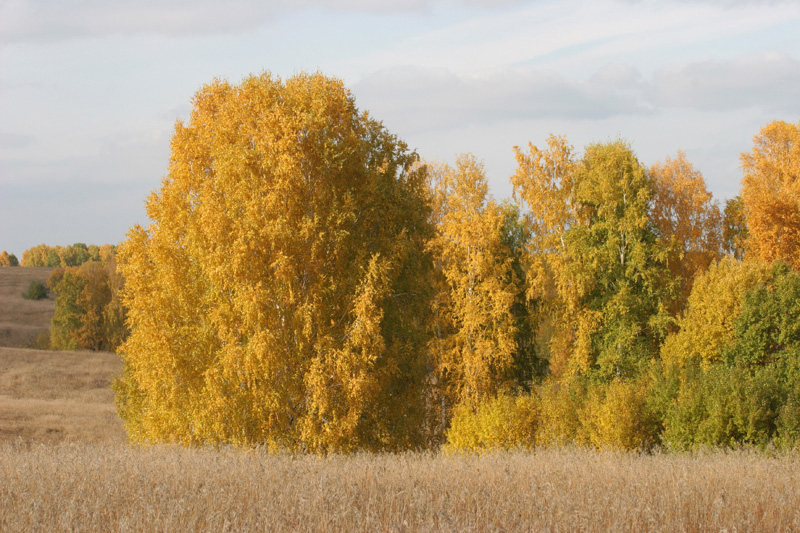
[51,397]
[21,320]
[114,487]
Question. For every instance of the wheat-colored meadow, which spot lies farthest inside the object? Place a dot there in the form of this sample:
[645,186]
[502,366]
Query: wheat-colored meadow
[65,466]
[105,486]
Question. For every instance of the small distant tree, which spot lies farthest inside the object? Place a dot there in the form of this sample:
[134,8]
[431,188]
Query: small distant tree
[36,291]
[88,313]
[8,260]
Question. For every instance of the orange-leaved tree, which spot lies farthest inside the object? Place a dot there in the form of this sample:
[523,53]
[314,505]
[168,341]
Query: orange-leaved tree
[280,296]
[686,217]
[771,194]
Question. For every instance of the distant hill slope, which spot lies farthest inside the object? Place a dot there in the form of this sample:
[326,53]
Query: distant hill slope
[21,320]
[49,397]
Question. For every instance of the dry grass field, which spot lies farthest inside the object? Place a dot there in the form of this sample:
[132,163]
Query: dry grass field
[114,487]
[21,320]
[50,397]
[65,466]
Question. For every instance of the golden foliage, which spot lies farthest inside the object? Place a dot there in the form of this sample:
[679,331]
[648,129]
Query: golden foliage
[616,417]
[8,260]
[707,325]
[474,342]
[771,194]
[686,218]
[504,422]
[279,296]
[561,407]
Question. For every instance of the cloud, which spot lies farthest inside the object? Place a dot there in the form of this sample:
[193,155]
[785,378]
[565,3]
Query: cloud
[768,80]
[15,141]
[422,99]
[48,21]
[42,20]
[432,98]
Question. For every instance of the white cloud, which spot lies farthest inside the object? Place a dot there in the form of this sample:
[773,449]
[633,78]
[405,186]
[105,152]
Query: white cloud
[437,98]
[768,80]
[48,21]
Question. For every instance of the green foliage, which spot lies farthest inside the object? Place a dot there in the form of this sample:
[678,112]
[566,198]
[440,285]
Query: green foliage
[618,263]
[88,312]
[504,422]
[750,394]
[36,291]
[768,326]
[729,406]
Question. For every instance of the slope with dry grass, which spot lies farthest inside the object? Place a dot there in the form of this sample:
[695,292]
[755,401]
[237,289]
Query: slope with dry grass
[21,320]
[50,397]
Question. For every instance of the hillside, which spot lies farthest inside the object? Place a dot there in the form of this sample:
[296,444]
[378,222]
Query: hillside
[45,396]
[50,397]
[21,320]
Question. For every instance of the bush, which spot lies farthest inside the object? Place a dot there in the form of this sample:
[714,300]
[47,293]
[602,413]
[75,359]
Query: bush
[37,290]
[561,403]
[502,423]
[731,406]
[616,417]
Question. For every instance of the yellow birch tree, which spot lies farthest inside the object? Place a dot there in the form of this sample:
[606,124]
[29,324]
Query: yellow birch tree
[475,339]
[687,219]
[280,295]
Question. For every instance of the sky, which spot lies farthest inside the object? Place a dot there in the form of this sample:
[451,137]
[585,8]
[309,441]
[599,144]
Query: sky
[90,90]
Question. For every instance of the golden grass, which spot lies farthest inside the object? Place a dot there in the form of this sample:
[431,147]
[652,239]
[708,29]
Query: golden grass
[116,487]
[51,397]
[21,320]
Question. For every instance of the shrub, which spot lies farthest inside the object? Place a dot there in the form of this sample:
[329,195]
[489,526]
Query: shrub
[501,423]
[561,423]
[37,290]
[616,417]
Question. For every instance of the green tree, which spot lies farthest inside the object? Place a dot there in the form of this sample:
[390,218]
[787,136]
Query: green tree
[88,312]
[68,286]
[597,258]
[281,294]
[36,291]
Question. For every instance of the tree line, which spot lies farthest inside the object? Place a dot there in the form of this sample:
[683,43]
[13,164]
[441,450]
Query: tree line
[307,282]
[89,314]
